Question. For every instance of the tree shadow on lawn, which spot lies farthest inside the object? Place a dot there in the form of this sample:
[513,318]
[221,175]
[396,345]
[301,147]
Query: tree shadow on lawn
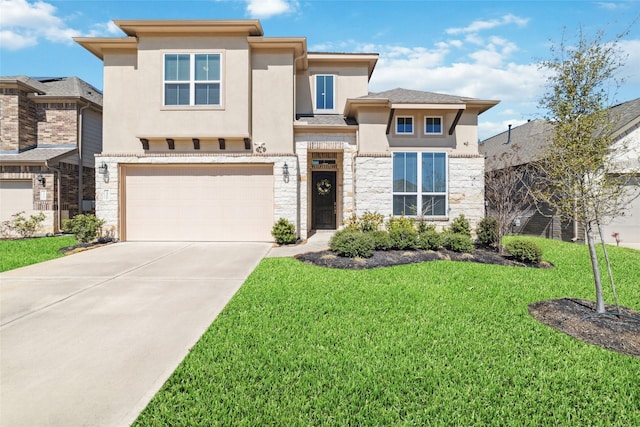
[574,317]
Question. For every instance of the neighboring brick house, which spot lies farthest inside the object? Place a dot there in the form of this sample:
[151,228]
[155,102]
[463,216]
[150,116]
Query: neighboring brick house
[523,144]
[50,131]
[213,132]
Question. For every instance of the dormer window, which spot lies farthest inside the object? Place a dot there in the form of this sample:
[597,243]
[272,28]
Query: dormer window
[433,125]
[192,79]
[404,125]
[325,92]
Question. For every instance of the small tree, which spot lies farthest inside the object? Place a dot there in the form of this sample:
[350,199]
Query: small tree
[25,227]
[506,191]
[578,173]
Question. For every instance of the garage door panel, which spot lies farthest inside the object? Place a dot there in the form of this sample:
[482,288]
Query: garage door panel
[199,203]
[15,196]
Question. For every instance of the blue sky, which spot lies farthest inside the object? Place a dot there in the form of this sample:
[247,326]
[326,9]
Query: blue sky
[480,49]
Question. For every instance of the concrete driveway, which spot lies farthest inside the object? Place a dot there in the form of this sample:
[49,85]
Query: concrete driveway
[88,339]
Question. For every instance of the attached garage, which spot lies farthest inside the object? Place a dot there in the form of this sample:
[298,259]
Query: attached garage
[15,196]
[197,202]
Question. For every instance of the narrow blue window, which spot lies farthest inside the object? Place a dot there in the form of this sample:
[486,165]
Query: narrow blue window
[324,92]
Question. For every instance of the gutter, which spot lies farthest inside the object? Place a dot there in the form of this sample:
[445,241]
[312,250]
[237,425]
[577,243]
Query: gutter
[80,163]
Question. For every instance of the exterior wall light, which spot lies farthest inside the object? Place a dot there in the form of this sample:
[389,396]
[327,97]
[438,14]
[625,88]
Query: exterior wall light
[103,169]
[285,172]
[41,179]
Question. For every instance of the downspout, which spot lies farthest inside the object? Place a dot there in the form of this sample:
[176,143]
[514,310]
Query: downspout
[59,202]
[80,163]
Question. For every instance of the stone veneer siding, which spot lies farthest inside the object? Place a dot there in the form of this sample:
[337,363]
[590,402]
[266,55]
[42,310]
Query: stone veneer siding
[285,191]
[344,143]
[466,188]
[374,192]
[373,184]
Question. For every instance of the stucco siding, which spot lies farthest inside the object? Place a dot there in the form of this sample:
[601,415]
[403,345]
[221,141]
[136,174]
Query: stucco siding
[272,100]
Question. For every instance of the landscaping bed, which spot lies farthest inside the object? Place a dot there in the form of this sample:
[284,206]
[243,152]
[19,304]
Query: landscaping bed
[577,318]
[396,257]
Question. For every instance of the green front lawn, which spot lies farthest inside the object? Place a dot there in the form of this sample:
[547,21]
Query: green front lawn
[18,253]
[438,343]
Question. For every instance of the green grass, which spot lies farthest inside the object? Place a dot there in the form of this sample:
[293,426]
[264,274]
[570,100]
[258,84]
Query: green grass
[19,253]
[438,343]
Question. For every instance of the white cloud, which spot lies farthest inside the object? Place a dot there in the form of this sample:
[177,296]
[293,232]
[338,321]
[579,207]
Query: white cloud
[481,25]
[105,29]
[631,70]
[24,23]
[269,8]
[13,41]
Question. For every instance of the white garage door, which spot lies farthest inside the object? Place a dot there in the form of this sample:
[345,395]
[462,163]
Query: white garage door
[15,196]
[198,203]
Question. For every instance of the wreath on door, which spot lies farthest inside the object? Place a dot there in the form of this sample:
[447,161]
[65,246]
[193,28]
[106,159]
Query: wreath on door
[324,187]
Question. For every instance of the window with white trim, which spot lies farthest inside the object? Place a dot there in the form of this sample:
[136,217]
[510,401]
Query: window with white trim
[192,79]
[420,184]
[404,125]
[433,125]
[325,92]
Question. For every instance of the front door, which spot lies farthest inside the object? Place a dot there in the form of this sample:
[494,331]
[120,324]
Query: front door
[323,200]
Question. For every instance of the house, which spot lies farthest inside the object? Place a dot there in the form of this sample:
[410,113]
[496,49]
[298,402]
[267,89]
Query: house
[214,132]
[50,131]
[523,144]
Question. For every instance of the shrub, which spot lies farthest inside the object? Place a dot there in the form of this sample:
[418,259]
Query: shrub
[403,238]
[351,223]
[487,232]
[25,227]
[423,226]
[349,243]
[429,240]
[85,228]
[460,225]
[400,223]
[457,242]
[370,221]
[284,232]
[381,240]
[525,251]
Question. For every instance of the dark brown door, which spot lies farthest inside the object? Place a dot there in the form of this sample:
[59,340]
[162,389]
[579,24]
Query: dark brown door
[323,200]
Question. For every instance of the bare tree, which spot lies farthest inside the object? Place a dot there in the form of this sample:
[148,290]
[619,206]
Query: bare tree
[579,175]
[506,192]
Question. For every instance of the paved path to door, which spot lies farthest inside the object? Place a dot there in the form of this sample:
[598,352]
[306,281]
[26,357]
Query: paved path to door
[88,339]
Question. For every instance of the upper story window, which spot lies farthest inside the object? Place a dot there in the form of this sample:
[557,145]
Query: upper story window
[325,92]
[433,125]
[404,125]
[192,79]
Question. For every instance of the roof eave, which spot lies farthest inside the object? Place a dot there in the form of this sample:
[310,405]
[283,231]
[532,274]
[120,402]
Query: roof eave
[98,45]
[353,104]
[482,104]
[250,27]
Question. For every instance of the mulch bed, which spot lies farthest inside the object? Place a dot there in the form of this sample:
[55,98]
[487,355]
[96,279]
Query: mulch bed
[577,318]
[572,316]
[391,258]
[80,247]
